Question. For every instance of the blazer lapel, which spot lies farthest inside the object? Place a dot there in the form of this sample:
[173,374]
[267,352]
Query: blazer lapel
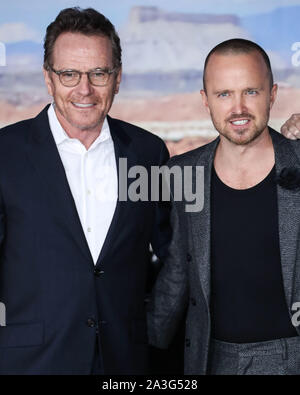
[288,215]
[200,222]
[45,159]
[123,149]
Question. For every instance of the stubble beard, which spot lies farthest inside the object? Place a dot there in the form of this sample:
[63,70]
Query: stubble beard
[253,136]
[257,131]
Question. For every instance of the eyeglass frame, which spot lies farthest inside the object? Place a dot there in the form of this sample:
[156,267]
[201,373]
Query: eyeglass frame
[59,72]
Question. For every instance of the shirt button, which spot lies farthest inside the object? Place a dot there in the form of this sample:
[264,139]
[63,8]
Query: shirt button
[88,192]
[91,323]
[89,230]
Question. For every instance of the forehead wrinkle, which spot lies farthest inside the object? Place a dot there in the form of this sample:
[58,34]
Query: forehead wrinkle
[84,53]
[80,62]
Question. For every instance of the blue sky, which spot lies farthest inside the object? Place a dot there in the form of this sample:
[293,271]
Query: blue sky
[29,19]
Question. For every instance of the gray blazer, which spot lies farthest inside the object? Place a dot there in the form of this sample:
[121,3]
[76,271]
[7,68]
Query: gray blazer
[183,283]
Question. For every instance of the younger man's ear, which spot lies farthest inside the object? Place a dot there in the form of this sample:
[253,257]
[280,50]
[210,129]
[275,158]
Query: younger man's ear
[273,94]
[204,100]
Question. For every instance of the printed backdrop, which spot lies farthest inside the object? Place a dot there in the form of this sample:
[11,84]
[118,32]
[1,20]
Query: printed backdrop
[164,46]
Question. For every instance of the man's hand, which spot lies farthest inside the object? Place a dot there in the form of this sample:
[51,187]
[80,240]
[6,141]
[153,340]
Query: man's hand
[291,129]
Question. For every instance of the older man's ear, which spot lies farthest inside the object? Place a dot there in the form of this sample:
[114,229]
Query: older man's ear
[291,128]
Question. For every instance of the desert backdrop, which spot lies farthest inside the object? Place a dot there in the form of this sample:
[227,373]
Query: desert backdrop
[163,57]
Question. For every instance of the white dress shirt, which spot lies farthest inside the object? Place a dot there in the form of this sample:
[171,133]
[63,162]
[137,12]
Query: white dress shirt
[93,180]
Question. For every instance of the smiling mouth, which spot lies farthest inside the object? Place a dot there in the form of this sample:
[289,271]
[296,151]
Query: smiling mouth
[83,105]
[240,122]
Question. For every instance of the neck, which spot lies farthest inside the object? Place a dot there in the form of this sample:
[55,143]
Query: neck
[239,156]
[242,167]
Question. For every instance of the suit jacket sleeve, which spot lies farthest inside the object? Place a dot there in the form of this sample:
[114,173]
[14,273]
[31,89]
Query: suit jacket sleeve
[168,300]
[2,228]
[161,232]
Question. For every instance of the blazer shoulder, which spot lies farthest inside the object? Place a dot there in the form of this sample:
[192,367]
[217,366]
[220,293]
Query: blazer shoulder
[16,130]
[296,146]
[137,133]
[190,158]
[13,140]
[282,141]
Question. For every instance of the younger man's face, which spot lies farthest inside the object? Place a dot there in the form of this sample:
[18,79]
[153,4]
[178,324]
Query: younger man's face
[238,95]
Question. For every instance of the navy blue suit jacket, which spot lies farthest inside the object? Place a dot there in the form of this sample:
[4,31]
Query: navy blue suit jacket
[57,301]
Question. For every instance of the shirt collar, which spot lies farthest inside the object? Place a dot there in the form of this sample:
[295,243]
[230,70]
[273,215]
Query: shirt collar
[60,135]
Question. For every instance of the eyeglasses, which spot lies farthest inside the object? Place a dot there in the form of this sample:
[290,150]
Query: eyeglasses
[71,78]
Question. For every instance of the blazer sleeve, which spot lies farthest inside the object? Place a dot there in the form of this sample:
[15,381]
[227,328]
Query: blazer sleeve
[161,231]
[1,221]
[169,297]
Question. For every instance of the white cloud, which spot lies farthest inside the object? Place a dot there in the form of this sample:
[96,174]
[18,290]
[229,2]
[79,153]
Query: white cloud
[18,31]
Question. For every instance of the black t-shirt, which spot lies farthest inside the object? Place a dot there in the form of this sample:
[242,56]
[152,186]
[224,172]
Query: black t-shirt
[247,299]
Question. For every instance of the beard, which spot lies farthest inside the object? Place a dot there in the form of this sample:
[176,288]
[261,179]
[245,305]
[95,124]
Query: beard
[243,136]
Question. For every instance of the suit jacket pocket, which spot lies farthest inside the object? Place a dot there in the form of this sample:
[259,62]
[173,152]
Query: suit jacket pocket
[22,335]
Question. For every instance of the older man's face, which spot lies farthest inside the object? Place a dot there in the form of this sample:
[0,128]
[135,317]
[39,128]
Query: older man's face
[238,96]
[84,106]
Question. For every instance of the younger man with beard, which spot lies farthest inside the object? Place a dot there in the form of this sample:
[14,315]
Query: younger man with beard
[235,265]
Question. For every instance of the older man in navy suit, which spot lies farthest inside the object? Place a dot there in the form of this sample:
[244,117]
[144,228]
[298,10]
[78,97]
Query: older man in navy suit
[74,257]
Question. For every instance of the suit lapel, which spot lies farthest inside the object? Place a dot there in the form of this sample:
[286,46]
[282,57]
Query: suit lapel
[200,222]
[288,215]
[123,149]
[45,159]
